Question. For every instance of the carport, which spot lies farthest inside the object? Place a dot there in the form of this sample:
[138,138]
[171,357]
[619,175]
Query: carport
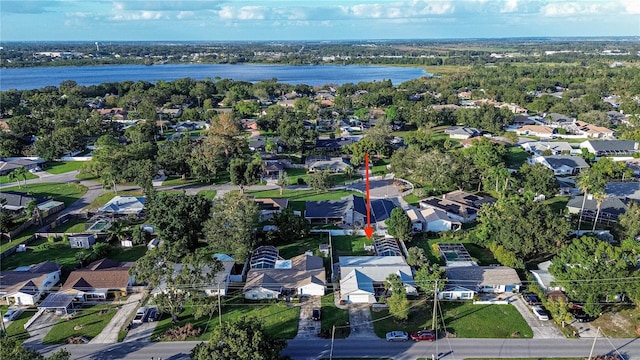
[60,303]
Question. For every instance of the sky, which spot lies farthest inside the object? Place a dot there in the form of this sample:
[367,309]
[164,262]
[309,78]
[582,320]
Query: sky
[272,20]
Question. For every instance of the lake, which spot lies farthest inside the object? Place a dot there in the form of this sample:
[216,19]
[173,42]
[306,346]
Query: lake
[33,78]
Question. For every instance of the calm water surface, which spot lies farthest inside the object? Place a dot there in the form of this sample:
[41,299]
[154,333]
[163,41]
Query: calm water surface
[33,78]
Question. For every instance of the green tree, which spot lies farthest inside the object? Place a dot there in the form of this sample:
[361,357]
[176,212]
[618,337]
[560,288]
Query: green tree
[244,173]
[399,225]
[589,180]
[416,257]
[397,302]
[245,339]
[174,156]
[282,182]
[594,271]
[10,348]
[630,221]
[426,277]
[230,230]
[291,226]
[538,179]
[320,180]
[178,218]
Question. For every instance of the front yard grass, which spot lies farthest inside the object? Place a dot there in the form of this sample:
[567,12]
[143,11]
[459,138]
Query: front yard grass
[516,157]
[5,179]
[209,194]
[463,319]
[16,328]
[67,193]
[61,167]
[89,322]
[332,315]
[278,319]
[297,198]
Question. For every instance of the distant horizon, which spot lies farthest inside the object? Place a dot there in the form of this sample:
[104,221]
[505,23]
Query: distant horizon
[542,38]
[305,20]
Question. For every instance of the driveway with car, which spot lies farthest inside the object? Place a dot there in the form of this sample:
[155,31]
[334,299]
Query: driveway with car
[109,334]
[307,327]
[541,329]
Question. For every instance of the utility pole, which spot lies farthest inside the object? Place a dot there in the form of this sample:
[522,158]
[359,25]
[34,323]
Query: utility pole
[219,307]
[594,343]
[434,324]
[333,336]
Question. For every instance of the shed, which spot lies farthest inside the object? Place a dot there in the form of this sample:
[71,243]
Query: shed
[82,241]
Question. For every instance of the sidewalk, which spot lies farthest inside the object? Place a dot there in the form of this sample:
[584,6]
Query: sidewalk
[109,334]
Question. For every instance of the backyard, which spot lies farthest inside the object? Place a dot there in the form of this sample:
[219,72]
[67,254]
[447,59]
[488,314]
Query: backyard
[297,198]
[463,319]
[107,196]
[279,320]
[85,322]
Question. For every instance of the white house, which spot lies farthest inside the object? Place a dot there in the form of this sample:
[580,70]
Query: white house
[456,293]
[544,278]
[536,130]
[82,241]
[561,164]
[25,285]
[363,277]
[436,220]
[124,205]
[302,275]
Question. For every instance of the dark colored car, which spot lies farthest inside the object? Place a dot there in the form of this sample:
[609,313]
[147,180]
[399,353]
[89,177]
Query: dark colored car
[580,315]
[423,335]
[315,315]
[531,299]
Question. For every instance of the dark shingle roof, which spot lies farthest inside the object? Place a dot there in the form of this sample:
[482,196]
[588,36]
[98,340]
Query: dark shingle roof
[610,205]
[15,198]
[612,145]
[557,161]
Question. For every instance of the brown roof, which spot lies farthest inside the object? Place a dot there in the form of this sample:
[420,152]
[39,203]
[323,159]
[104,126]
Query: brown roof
[537,128]
[13,281]
[272,204]
[304,269]
[101,274]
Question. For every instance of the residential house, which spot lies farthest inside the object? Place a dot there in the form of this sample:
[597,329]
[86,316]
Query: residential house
[436,220]
[481,279]
[537,148]
[124,205]
[8,165]
[462,132]
[113,113]
[558,119]
[26,284]
[17,202]
[169,113]
[611,147]
[99,280]
[544,278]
[273,169]
[268,207]
[625,191]
[82,241]
[271,277]
[249,124]
[216,283]
[561,164]
[350,210]
[522,120]
[610,208]
[332,145]
[592,131]
[467,143]
[458,205]
[331,164]
[537,130]
[634,165]
[362,278]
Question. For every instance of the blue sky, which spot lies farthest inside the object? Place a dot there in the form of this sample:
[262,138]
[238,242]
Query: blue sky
[229,20]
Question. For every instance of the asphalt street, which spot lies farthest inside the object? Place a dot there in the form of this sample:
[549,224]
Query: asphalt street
[307,349]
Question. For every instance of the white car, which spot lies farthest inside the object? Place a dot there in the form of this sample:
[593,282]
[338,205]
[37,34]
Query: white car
[11,315]
[540,312]
[141,315]
[397,336]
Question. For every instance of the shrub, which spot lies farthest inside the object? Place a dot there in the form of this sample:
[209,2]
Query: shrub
[51,239]
[300,181]
[182,332]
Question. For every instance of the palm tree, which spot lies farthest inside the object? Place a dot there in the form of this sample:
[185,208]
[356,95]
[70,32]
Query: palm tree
[283,182]
[600,197]
[349,172]
[589,180]
[18,173]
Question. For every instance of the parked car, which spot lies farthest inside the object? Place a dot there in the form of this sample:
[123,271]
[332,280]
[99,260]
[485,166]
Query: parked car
[141,315]
[531,299]
[11,315]
[154,315]
[315,315]
[397,336]
[580,315]
[541,312]
[423,335]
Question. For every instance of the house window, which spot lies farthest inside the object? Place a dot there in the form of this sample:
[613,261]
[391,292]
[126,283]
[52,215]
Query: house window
[254,296]
[79,243]
[269,296]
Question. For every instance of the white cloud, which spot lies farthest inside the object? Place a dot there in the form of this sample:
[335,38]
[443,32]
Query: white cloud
[631,6]
[138,15]
[185,14]
[243,13]
[398,9]
[579,8]
[510,6]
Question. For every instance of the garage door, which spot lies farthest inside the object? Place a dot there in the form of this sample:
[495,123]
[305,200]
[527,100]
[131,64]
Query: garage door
[358,299]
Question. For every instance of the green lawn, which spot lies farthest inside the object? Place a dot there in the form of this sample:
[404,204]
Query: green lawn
[481,255]
[16,328]
[209,194]
[5,179]
[24,236]
[350,245]
[294,174]
[558,203]
[89,322]
[516,156]
[67,193]
[412,199]
[291,249]
[128,254]
[463,319]
[61,167]
[71,226]
[297,198]
[379,167]
[279,320]
[331,315]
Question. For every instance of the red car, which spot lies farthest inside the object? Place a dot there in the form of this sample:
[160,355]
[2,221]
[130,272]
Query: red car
[423,335]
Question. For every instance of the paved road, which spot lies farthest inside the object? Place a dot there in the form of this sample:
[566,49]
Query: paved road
[449,349]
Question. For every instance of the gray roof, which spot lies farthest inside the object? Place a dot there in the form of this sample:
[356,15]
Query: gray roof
[17,199]
[462,130]
[624,190]
[612,145]
[554,146]
[610,205]
[557,161]
[468,276]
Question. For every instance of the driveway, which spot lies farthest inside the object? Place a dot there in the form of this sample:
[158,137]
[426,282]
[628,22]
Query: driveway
[141,332]
[39,328]
[308,328]
[109,334]
[541,329]
[360,321]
